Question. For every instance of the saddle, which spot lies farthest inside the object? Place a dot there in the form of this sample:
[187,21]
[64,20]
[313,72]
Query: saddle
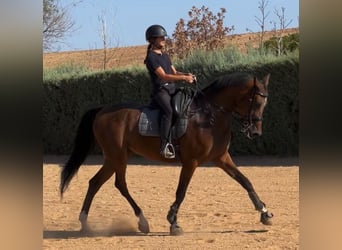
[149,120]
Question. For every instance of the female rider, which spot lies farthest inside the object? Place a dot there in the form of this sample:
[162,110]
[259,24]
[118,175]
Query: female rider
[163,75]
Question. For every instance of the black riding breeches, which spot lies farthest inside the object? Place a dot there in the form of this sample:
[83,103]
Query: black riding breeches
[163,99]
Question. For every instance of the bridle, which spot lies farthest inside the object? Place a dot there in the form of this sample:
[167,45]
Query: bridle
[246,121]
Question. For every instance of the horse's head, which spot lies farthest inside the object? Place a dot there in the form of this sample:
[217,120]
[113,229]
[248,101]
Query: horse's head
[250,107]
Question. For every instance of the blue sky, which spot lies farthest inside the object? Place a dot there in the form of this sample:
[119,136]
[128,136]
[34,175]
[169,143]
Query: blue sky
[127,20]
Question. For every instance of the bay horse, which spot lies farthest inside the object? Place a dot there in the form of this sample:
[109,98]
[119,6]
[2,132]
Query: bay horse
[207,138]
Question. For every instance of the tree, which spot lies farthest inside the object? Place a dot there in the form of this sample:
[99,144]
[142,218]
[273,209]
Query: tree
[289,43]
[179,45]
[57,24]
[204,30]
[261,22]
[103,33]
[106,33]
[279,32]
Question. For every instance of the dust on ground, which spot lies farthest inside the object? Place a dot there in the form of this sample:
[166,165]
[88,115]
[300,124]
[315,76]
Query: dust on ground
[216,212]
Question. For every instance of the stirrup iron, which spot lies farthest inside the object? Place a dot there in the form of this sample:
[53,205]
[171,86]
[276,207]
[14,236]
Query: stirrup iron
[168,151]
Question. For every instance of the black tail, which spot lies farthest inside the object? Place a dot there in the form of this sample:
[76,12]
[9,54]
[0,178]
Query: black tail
[84,142]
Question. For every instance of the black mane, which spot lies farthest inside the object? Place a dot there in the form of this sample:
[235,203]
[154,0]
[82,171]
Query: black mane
[233,79]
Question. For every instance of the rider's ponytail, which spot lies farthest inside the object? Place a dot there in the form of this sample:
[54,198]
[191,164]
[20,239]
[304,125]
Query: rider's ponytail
[148,49]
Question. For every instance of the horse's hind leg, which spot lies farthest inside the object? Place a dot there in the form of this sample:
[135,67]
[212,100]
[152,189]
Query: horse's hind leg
[95,184]
[226,163]
[121,185]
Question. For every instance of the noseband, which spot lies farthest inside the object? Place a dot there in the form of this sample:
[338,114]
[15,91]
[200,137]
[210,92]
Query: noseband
[246,121]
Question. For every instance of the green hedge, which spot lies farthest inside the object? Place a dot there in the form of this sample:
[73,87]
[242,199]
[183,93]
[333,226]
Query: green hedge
[65,101]
[281,115]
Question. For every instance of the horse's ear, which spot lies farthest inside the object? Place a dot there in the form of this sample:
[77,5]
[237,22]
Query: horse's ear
[266,79]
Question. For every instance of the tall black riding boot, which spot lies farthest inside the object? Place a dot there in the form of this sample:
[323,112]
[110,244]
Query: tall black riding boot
[166,148]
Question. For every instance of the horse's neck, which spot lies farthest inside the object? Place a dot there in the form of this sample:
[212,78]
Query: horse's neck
[207,111]
[214,102]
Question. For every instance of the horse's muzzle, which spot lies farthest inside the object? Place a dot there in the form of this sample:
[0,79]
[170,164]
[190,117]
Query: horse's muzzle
[253,132]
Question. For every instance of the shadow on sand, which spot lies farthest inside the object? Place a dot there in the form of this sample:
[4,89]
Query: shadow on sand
[59,234]
[267,161]
[68,234]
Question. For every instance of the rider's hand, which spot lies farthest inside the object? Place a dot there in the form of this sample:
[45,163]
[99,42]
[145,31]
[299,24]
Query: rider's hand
[190,78]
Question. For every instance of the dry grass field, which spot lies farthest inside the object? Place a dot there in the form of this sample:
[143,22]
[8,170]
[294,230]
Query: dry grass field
[134,55]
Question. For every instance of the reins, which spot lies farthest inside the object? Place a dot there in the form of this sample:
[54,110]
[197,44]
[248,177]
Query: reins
[246,121]
[211,103]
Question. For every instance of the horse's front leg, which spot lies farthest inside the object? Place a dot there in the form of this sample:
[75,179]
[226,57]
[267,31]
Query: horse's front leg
[184,180]
[225,162]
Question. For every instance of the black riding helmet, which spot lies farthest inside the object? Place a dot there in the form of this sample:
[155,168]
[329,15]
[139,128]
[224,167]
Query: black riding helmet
[155,31]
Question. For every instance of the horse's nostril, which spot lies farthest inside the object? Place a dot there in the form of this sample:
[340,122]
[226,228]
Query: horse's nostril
[255,134]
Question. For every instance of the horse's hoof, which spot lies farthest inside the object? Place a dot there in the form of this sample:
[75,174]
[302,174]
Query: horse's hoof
[85,229]
[265,218]
[84,225]
[144,228]
[176,230]
[143,224]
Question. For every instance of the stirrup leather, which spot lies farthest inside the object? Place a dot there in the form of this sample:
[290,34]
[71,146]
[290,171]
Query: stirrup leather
[168,151]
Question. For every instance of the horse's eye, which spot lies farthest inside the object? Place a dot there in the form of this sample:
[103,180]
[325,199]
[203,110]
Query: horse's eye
[258,105]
